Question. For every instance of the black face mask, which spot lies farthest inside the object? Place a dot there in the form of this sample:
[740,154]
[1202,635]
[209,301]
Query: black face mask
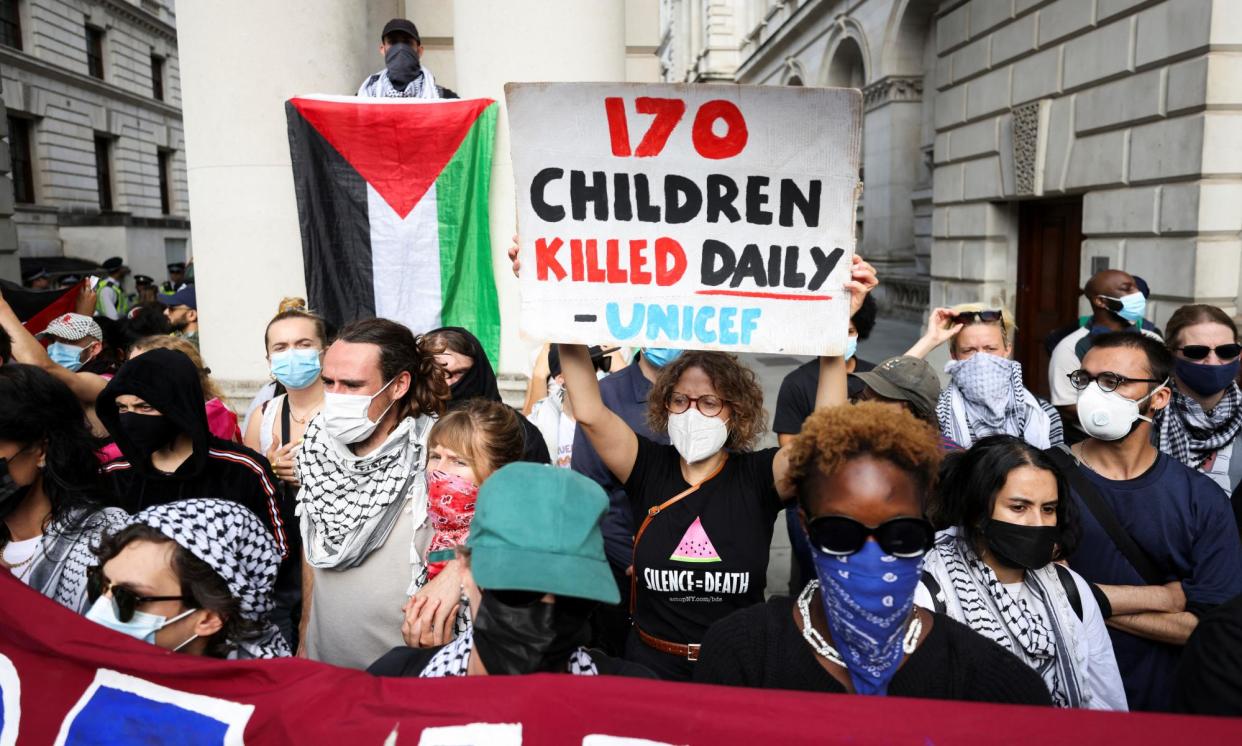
[149,432]
[403,65]
[528,638]
[11,493]
[1021,547]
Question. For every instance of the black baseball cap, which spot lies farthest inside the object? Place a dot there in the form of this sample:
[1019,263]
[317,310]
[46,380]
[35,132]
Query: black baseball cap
[401,26]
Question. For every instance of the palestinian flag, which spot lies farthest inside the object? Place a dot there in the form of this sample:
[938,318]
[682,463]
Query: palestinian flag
[393,205]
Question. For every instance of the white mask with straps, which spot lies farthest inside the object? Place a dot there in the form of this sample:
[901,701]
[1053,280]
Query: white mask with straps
[695,435]
[1107,415]
[345,415]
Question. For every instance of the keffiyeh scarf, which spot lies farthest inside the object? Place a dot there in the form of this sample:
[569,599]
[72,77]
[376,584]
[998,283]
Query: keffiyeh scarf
[454,658]
[233,542]
[424,86]
[1191,435]
[990,609]
[66,550]
[986,397]
[348,504]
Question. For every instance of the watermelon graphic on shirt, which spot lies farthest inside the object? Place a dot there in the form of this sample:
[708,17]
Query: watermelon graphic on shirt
[695,546]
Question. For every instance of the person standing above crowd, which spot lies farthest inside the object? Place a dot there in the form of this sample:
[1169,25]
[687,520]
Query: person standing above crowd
[363,501]
[554,414]
[49,486]
[1117,304]
[1011,520]
[111,300]
[1158,537]
[862,476]
[181,308]
[470,376]
[1200,427]
[985,395]
[193,576]
[154,410]
[403,75]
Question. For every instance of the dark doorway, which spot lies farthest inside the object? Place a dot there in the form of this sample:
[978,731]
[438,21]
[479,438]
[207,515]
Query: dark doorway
[1049,245]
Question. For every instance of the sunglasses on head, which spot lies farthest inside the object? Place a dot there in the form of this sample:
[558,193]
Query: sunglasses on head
[1199,352]
[124,600]
[841,536]
[968,317]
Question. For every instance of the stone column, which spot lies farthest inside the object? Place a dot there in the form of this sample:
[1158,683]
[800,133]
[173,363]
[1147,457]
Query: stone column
[499,41]
[9,265]
[240,61]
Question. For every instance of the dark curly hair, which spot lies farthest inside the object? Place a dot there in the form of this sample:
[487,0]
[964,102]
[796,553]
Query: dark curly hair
[834,435]
[37,408]
[734,382]
[400,351]
[970,480]
[202,586]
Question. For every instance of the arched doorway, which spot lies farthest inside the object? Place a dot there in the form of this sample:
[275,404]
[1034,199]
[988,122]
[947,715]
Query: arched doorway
[847,68]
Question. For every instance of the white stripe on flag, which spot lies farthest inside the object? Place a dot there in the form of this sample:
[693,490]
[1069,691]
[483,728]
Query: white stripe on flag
[405,258]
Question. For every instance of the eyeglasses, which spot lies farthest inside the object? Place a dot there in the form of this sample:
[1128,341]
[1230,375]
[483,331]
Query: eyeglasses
[709,405]
[124,599]
[966,317]
[1199,352]
[842,536]
[1107,380]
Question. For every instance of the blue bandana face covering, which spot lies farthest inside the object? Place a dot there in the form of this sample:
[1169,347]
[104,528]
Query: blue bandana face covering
[867,599]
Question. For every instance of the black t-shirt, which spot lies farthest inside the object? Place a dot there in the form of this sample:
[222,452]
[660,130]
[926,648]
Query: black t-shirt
[1209,677]
[705,556]
[763,647]
[796,400]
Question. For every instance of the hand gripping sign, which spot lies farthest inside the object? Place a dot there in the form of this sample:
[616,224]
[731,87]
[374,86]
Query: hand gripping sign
[688,216]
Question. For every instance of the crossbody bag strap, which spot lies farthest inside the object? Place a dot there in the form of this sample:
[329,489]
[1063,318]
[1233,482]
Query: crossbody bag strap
[652,513]
[1070,588]
[1105,515]
[285,426]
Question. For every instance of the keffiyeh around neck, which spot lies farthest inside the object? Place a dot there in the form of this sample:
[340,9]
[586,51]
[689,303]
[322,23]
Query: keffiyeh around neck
[233,542]
[986,397]
[1191,435]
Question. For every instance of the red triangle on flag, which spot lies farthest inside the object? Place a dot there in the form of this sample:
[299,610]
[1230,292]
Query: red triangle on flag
[398,146]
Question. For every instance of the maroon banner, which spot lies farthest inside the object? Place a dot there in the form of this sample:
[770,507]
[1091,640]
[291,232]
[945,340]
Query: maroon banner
[64,679]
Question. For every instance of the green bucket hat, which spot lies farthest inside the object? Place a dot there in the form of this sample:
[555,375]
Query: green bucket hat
[536,528]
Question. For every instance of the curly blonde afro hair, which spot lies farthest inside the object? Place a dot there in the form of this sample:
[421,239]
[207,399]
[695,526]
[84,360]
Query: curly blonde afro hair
[832,436]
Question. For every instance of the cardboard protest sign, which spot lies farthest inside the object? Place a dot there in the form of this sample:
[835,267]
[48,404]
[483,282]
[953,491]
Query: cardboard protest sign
[686,216]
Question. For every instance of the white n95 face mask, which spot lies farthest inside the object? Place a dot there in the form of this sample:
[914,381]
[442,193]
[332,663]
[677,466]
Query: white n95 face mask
[1109,415]
[345,415]
[695,435]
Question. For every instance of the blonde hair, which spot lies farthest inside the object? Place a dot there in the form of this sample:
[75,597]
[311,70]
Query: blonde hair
[485,433]
[1007,325]
[295,308]
[185,347]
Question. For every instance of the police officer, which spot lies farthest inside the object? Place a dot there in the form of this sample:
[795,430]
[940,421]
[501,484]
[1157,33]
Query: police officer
[176,278]
[112,301]
[37,279]
[146,289]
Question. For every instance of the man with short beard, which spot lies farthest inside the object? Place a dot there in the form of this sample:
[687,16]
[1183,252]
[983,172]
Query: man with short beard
[181,308]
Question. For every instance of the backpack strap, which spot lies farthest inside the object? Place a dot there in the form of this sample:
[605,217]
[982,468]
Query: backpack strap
[1065,460]
[934,590]
[1071,588]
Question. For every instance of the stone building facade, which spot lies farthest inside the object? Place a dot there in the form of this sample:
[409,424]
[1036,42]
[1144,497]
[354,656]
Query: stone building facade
[93,102]
[1014,147]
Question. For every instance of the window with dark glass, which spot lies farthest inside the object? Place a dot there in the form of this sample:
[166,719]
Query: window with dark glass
[157,77]
[22,161]
[94,52]
[10,24]
[103,170]
[166,200]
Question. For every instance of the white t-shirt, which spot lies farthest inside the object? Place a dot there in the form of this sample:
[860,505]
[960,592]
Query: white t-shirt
[1219,473]
[1065,361]
[17,552]
[565,440]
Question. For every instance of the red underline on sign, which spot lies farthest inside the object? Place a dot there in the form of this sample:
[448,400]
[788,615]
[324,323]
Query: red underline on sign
[769,296]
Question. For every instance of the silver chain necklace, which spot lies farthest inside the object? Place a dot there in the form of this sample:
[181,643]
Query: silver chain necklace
[821,646]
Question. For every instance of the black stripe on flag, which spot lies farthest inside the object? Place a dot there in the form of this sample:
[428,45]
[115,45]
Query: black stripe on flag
[336,230]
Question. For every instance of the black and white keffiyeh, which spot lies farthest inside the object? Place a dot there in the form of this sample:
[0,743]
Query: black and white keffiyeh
[454,658]
[990,609]
[986,397]
[233,542]
[380,86]
[66,549]
[1191,435]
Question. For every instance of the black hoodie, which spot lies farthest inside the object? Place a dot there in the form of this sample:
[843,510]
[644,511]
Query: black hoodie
[168,381]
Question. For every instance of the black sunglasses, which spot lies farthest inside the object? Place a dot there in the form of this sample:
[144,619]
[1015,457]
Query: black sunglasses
[900,537]
[1199,352]
[124,600]
[966,317]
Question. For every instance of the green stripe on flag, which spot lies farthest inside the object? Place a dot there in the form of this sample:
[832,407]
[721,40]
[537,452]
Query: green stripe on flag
[467,285]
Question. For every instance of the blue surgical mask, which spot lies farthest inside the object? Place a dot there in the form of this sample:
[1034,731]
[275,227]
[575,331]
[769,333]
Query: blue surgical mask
[1133,306]
[296,369]
[851,347]
[65,355]
[142,626]
[868,597]
[1205,379]
[660,356]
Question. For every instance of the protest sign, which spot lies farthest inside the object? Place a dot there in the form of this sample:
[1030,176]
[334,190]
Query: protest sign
[687,216]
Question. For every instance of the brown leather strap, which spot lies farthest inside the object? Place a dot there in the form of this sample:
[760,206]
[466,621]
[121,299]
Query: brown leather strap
[652,513]
[689,652]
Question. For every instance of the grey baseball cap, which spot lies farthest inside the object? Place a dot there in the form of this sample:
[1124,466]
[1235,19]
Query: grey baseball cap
[905,378]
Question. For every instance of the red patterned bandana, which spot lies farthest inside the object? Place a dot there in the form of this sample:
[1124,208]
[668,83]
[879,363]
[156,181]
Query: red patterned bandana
[450,506]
